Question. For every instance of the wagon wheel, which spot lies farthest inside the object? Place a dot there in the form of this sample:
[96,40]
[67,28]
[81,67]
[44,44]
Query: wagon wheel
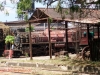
[86,53]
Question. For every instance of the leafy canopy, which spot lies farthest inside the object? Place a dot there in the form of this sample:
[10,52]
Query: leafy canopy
[24,7]
[5,4]
[9,39]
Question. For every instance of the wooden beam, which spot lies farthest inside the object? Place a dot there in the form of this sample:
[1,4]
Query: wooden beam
[50,50]
[38,20]
[88,33]
[30,41]
[66,35]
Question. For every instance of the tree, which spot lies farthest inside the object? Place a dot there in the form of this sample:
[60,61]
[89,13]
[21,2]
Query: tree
[25,7]
[4,4]
[74,6]
[9,40]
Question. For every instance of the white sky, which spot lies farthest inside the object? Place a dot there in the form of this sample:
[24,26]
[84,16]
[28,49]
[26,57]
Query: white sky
[11,8]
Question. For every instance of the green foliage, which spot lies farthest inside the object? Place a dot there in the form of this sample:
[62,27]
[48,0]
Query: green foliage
[50,20]
[26,17]
[24,6]
[74,8]
[26,54]
[19,11]
[1,7]
[27,29]
[59,7]
[9,39]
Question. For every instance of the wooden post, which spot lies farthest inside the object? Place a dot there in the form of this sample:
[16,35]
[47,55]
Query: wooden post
[98,31]
[88,33]
[30,42]
[66,35]
[97,54]
[91,48]
[50,51]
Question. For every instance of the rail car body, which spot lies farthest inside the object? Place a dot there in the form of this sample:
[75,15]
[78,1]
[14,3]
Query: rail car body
[40,42]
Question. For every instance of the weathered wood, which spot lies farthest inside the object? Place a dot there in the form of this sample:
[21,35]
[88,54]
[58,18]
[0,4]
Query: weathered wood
[66,35]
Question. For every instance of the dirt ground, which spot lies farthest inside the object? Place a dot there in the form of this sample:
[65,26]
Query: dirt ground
[72,56]
[37,71]
[9,73]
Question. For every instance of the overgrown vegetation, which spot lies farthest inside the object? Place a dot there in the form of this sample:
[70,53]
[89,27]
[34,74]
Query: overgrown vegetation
[57,61]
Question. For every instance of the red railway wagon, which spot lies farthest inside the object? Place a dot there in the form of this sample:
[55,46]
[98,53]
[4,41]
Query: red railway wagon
[40,42]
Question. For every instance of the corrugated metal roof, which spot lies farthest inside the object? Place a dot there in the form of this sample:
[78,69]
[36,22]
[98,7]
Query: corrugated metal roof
[89,15]
[41,14]
[85,20]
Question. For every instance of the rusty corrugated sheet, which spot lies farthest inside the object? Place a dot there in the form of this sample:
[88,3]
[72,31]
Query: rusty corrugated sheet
[89,15]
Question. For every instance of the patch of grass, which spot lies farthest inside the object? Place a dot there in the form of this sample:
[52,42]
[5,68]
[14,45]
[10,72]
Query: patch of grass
[58,61]
[48,61]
